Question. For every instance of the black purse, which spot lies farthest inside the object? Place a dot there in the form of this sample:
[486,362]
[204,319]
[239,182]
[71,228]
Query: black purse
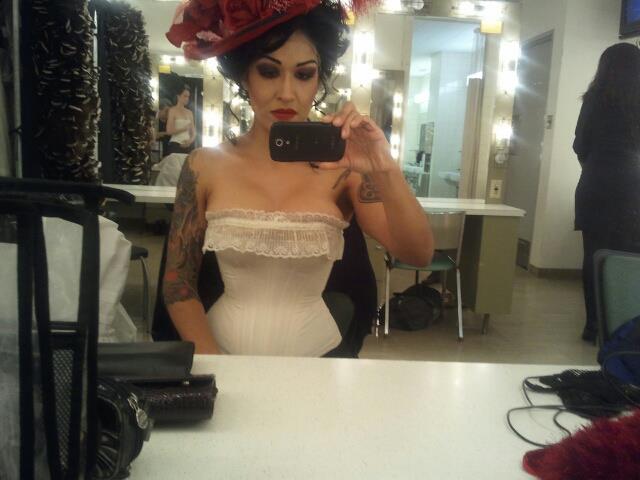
[189,398]
[161,371]
[145,359]
[123,425]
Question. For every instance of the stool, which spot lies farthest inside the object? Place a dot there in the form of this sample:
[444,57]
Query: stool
[140,253]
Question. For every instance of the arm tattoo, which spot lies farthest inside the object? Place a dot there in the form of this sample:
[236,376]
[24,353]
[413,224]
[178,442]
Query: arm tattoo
[184,247]
[368,191]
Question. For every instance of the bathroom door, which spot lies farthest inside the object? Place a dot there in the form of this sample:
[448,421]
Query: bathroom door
[523,171]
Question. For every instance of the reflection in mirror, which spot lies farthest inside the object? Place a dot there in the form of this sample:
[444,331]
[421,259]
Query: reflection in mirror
[439,76]
[444,56]
[219,112]
[125,93]
[386,100]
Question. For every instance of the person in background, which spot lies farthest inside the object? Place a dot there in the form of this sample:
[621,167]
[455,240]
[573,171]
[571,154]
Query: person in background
[180,124]
[277,228]
[607,142]
[161,133]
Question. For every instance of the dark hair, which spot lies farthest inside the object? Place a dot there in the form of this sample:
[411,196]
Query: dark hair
[617,81]
[324,26]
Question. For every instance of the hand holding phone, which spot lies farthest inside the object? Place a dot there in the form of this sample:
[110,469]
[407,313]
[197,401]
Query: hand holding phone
[305,142]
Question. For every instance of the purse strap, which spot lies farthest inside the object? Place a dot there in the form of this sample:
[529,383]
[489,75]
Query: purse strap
[70,454]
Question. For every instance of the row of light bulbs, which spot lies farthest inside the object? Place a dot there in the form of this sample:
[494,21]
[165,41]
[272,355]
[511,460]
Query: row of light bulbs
[363,73]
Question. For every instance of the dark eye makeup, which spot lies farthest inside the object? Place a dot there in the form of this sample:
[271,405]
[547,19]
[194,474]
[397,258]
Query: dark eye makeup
[267,71]
[306,73]
[271,71]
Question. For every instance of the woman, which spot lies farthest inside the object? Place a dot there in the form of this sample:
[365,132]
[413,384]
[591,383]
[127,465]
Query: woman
[180,125]
[608,147]
[276,228]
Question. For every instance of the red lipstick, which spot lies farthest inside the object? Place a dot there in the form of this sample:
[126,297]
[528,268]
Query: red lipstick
[284,114]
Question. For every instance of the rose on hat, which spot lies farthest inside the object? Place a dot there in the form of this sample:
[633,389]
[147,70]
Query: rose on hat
[206,28]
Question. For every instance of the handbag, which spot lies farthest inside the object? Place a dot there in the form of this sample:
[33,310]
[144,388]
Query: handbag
[123,425]
[189,398]
[48,377]
[145,359]
[161,371]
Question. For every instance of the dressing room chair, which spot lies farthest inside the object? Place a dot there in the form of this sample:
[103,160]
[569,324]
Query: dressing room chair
[617,284]
[448,230]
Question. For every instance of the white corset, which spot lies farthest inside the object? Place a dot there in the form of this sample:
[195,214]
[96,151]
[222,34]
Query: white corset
[275,266]
[184,135]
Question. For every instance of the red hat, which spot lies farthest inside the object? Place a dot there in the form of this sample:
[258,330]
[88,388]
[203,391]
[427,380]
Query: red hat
[208,28]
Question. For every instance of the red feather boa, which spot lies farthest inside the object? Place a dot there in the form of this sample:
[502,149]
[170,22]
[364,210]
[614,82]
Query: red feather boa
[606,450]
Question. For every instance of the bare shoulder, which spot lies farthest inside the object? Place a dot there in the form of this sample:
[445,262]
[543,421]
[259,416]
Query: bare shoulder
[209,160]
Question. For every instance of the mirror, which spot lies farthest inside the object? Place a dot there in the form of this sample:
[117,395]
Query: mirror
[439,76]
[444,55]
[219,112]
[415,85]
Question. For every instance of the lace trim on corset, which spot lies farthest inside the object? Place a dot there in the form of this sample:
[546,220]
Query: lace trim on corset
[275,234]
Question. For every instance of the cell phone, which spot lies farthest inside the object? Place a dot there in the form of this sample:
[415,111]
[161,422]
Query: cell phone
[305,142]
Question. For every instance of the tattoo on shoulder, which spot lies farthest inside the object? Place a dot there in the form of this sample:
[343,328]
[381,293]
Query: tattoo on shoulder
[368,191]
[186,236]
[343,176]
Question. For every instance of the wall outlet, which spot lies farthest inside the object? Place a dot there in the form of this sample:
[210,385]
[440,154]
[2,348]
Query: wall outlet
[495,189]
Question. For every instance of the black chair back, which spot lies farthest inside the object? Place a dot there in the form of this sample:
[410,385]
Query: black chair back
[51,368]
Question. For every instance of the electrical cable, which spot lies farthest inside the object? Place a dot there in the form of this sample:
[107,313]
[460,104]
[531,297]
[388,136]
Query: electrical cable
[560,409]
[582,410]
[558,424]
[536,388]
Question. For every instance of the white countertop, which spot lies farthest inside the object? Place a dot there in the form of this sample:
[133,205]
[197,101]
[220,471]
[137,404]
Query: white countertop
[316,418]
[471,206]
[158,194]
[148,193]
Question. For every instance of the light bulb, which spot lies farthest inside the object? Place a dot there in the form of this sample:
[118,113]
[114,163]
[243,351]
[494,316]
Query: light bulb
[466,8]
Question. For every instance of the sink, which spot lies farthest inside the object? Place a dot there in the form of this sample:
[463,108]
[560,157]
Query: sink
[451,177]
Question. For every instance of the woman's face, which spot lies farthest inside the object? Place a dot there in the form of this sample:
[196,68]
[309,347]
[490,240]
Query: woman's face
[183,98]
[283,84]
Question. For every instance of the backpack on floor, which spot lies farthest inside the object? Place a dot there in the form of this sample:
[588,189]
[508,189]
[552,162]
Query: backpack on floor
[415,308]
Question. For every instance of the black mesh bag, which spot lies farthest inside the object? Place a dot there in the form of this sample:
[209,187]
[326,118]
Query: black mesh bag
[47,366]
